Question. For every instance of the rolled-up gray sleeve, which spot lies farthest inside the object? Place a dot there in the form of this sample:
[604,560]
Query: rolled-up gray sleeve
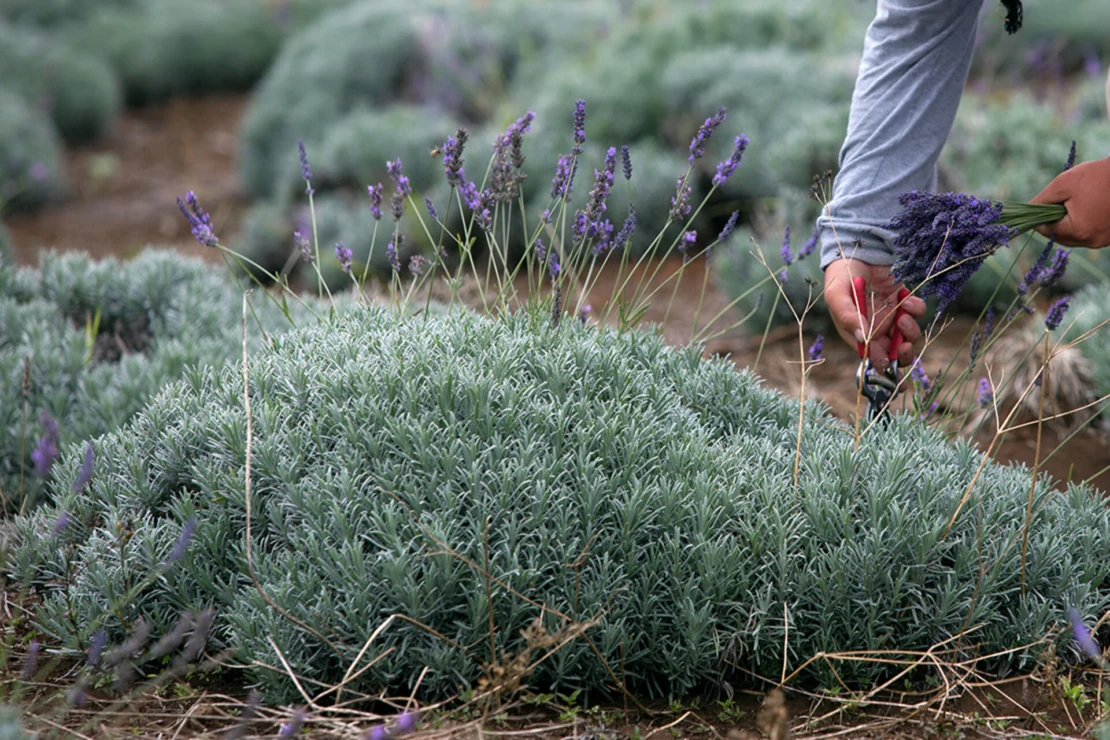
[915,64]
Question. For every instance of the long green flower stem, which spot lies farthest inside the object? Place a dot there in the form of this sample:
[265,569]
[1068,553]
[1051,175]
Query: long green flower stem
[1027,216]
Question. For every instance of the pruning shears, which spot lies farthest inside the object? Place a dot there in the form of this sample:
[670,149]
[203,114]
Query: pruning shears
[879,388]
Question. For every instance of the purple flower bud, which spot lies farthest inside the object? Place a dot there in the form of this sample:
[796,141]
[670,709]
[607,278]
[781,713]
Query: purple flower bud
[306,171]
[1034,273]
[811,244]
[293,725]
[917,373]
[817,348]
[973,350]
[628,228]
[988,324]
[689,239]
[96,647]
[182,543]
[345,257]
[1071,157]
[199,220]
[417,264]
[1056,313]
[584,313]
[378,732]
[407,722]
[787,255]
[579,125]
[726,232]
[930,411]
[697,144]
[986,393]
[452,157]
[626,162]
[62,523]
[397,205]
[783,276]
[375,200]
[85,474]
[391,255]
[727,168]
[46,449]
[303,246]
[1083,637]
[1049,277]
[31,664]
[431,208]
[393,169]
[680,203]
[553,265]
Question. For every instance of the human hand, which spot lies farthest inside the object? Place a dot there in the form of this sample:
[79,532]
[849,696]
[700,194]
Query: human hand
[1085,192]
[882,293]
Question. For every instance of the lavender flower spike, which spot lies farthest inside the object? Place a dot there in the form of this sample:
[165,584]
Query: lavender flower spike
[697,145]
[817,348]
[304,246]
[86,472]
[1071,157]
[345,257]
[46,450]
[1051,275]
[626,162]
[182,544]
[726,168]
[375,192]
[1083,636]
[453,159]
[730,225]
[579,125]
[293,726]
[306,171]
[986,393]
[787,255]
[1056,314]
[199,220]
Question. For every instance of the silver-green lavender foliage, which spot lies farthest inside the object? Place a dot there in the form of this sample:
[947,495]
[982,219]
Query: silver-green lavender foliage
[11,728]
[1088,315]
[31,164]
[158,315]
[620,479]
[79,93]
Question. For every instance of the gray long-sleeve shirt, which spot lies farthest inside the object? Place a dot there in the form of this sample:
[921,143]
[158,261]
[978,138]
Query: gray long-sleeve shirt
[915,64]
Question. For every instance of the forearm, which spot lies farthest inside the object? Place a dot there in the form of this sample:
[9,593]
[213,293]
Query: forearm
[914,68]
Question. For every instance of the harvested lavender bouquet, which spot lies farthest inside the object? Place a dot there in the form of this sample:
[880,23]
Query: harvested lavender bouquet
[943,238]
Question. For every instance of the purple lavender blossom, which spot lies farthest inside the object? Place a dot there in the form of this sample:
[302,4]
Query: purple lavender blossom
[345,257]
[1050,276]
[810,245]
[431,208]
[1083,637]
[293,726]
[1056,314]
[407,722]
[397,205]
[452,157]
[628,228]
[303,246]
[680,203]
[391,255]
[375,192]
[685,242]
[626,162]
[96,647]
[46,449]
[918,375]
[988,324]
[417,264]
[986,393]
[182,544]
[560,184]
[787,255]
[553,266]
[1071,157]
[973,350]
[1035,271]
[942,239]
[508,158]
[86,472]
[705,131]
[400,181]
[579,125]
[930,411]
[588,221]
[726,168]
[584,313]
[730,225]
[31,664]
[61,524]
[817,348]
[199,220]
[783,276]
[306,171]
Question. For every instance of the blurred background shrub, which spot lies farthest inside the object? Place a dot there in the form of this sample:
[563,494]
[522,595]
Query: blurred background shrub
[30,155]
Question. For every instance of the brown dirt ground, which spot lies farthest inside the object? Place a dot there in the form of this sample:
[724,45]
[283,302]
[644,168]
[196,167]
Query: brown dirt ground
[122,199]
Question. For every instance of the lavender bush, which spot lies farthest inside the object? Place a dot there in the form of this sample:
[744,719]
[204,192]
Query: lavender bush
[30,155]
[381,440]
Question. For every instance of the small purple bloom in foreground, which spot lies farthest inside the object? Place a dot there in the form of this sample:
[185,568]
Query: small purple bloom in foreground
[986,393]
[393,169]
[560,184]
[345,257]
[553,266]
[787,255]
[86,472]
[199,220]
[726,168]
[32,663]
[628,228]
[375,201]
[697,145]
[391,255]
[431,208]
[306,171]
[680,203]
[726,232]
[407,722]
[378,732]
[584,313]
[1083,636]
[626,162]
[810,245]
[46,450]
[62,524]
[1056,313]
[783,277]
[1035,271]
[817,348]
[1071,157]
[182,544]
[917,373]
[293,726]
[452,157]
[685,242]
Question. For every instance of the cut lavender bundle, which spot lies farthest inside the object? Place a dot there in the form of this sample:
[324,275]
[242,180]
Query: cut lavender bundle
[943,238]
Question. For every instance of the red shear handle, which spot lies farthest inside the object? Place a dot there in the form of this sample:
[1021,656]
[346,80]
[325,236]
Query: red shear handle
[896,338]
[859,289]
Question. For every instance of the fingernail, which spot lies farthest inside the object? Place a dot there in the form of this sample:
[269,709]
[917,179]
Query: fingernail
[906,323]
[859,335]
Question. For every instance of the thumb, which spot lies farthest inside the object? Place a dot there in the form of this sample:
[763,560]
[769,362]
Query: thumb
[1057,191]
[842,306]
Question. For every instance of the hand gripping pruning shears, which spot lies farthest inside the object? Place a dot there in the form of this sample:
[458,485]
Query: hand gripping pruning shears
[879,388]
